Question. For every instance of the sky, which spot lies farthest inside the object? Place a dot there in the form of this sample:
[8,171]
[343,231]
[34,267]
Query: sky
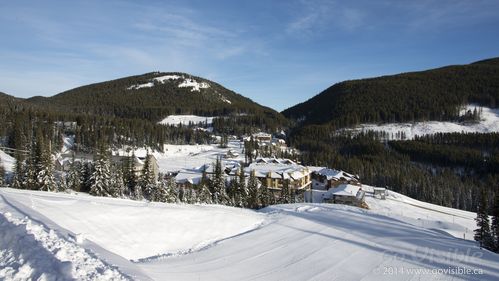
[277,53]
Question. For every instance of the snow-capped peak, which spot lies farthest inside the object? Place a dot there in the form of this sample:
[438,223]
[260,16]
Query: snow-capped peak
[187,82]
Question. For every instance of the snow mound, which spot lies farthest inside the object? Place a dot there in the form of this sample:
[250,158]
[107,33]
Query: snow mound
[489,123]
[28,251]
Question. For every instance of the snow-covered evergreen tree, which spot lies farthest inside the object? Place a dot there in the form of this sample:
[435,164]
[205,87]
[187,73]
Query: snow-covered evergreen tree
[74,178]
[253,192]
[45,168]
[495,223]
[172,191]
[482,233]
[285,196]
[129,176]
[62,184]
[148,180]
[161,192]
[101,176]
[242,189]
[116,181]
[17,181]
[218,185]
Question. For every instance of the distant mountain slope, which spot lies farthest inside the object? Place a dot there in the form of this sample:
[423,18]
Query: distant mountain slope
[426,95]
[155,95]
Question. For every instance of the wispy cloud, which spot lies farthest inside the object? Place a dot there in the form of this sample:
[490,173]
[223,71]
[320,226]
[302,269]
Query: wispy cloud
[318,16]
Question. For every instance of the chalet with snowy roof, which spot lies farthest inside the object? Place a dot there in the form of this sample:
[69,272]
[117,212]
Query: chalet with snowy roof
[273,172]
[262,137]
[347,194]
[326,178]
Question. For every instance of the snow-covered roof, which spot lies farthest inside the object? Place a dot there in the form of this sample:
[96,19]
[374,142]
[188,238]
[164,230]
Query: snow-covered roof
[272,160]
[334,174]
[277,169]
[189,176]
[345,190]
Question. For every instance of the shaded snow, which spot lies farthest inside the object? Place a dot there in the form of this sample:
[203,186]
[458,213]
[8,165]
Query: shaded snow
[489,123]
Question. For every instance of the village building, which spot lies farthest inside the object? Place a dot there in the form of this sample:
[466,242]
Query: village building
[325,178]
[273,172]
[347,194]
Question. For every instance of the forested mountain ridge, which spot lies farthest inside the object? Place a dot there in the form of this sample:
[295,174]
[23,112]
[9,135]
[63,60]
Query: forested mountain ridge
[434,94]
[155,95]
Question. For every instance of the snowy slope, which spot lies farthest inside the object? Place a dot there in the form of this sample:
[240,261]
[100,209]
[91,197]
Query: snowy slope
[458,223]
[295,242]
[7,161]
[178,157]
[138,230]
[489,123]
[186,119]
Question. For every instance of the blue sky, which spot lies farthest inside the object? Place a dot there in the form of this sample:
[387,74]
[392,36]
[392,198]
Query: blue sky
[277,53]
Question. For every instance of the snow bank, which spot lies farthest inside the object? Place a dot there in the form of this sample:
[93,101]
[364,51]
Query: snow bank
[488,123]
[28,251]
[137,230]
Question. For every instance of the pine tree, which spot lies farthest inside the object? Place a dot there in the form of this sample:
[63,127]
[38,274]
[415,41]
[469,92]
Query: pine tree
[45,167]
[243,189]
[218,185]
[172,192]
[100,178]
[148,180]
[495,223]
[17,181]
[253,192]
[129,175]
[482,233]
[117,183]
[161,192]
[2,173]
[285,193]
[62,185]
[74,178]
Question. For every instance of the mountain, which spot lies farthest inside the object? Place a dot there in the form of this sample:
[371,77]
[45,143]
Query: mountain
[434,94]
[155,95]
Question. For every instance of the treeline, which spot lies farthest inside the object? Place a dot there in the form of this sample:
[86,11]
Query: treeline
[435,94]
[473,159]
[379,163]
[20,122]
